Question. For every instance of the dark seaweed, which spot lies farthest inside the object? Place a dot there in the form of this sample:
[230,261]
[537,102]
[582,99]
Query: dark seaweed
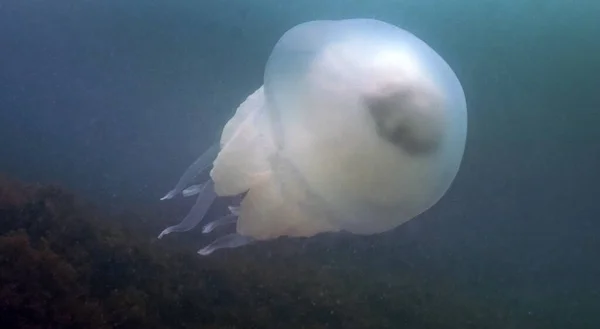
[64,265]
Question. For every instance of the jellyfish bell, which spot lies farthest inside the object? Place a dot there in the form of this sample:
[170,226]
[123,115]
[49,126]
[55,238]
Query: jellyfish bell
[359,126]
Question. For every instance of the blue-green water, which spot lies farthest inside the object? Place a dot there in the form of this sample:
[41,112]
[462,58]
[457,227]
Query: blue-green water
[113,99]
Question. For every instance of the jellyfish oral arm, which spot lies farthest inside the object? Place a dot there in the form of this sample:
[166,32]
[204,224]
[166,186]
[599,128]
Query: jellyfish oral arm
[201,164]
[239,160]
[205,198]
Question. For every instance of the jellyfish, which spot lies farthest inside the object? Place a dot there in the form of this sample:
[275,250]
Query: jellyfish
[359,126]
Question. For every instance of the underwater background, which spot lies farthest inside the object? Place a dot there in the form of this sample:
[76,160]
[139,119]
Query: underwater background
[111,100]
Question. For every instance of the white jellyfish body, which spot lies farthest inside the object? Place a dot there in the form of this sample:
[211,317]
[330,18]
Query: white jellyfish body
[359,126]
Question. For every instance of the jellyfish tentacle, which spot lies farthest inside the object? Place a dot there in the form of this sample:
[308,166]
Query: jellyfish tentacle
[192,190]
[234,210]
[225,220]
[205,198]
[198,166]
[232,240]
